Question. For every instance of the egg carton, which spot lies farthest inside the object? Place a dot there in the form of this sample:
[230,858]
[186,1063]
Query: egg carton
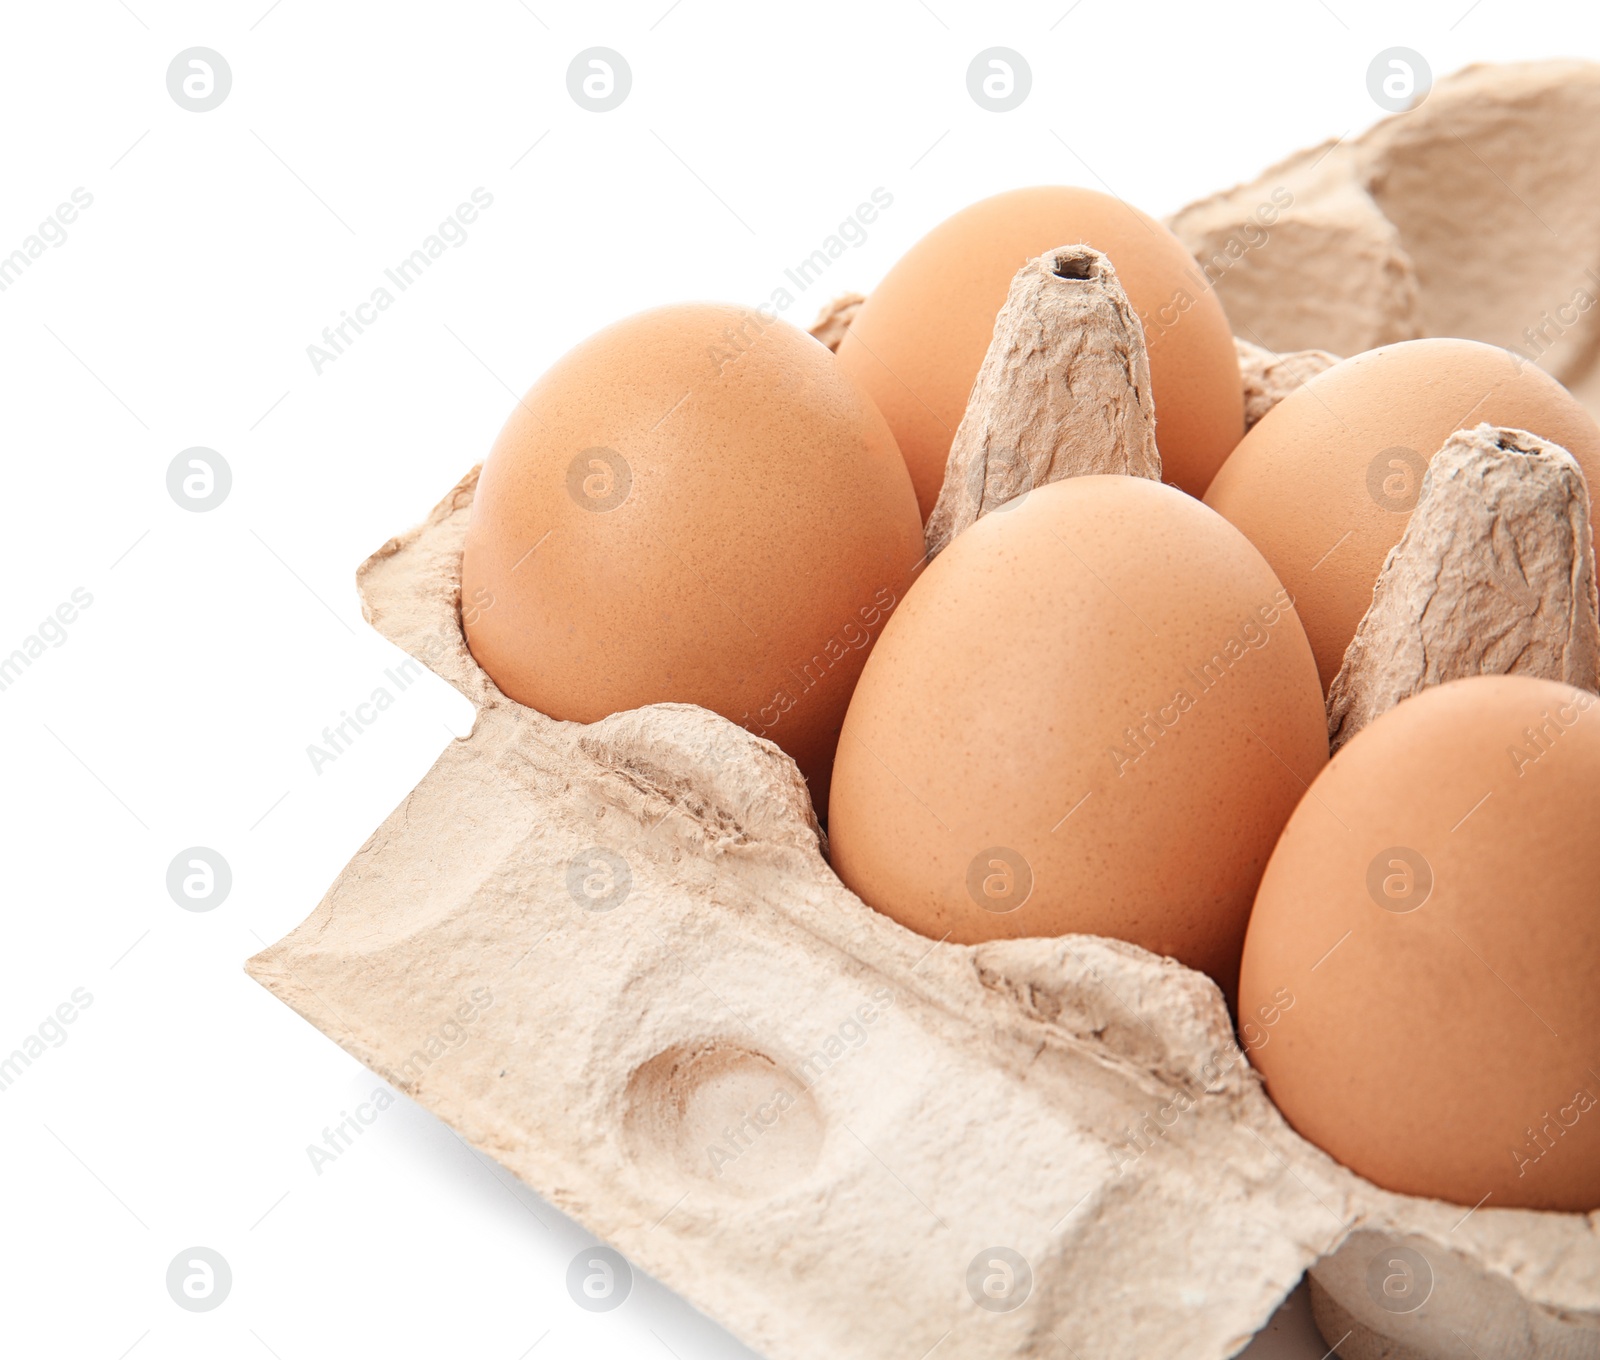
[614,958]
[1475,214]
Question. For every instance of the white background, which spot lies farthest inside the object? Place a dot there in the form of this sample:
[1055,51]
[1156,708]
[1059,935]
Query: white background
[178,710]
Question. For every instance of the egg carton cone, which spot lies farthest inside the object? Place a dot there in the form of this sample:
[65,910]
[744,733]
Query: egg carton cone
[613,957]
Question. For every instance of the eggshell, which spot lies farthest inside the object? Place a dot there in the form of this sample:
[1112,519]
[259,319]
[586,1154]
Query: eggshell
[1419,976]
[1094,712]
[918,341]
[1325,483]
[694,505]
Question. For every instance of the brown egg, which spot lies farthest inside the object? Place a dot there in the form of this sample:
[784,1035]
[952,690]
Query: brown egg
[917,342]
[1094,712]
[694,505]
[1419,977]
[1325,483]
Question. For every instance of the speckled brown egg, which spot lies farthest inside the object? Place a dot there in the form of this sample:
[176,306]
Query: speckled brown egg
[918,341]
[1093,713]
[1325,483]
[1419,976]
[694,505]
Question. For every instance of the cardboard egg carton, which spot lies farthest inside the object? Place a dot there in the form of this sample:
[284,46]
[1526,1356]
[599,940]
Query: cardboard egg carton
[1474,214]
[614,958]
